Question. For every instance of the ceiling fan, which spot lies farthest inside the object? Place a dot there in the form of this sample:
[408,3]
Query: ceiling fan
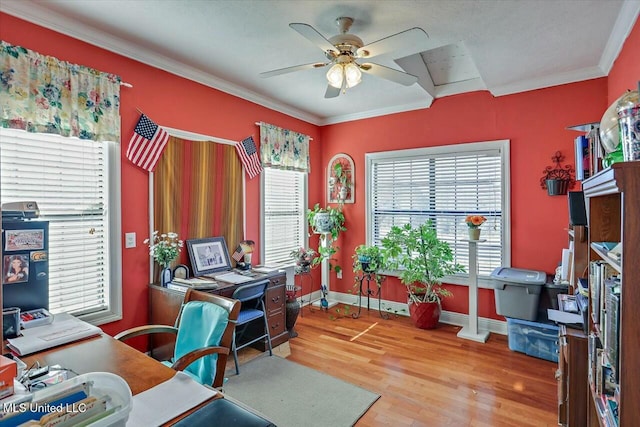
[344,50]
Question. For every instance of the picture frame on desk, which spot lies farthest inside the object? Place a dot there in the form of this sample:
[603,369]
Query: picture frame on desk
[209,255]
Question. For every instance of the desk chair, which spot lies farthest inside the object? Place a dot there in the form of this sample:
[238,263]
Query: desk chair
[204,333]
[252,298]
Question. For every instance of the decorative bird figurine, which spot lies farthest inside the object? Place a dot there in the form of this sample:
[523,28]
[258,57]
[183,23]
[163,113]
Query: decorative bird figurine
[323,301]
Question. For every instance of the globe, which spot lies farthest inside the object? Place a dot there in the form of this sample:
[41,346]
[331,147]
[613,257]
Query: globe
[609,130]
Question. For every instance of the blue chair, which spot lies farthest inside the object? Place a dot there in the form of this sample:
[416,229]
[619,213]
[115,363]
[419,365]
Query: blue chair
[252,299]
[204,332]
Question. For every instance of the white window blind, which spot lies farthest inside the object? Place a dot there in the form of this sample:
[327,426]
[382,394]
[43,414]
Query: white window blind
[284,214]
[69,179]
[444,184]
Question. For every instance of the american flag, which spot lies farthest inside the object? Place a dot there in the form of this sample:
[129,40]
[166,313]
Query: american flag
[147,144]
[238,253]
[249,156]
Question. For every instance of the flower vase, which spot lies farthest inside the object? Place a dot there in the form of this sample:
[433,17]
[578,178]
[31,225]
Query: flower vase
[292,308]
[474,233]
[165,276]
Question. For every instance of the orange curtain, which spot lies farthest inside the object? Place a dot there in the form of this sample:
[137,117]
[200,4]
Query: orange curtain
[198,192]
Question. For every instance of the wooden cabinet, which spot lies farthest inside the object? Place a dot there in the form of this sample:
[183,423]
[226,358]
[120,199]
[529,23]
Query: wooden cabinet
[613,208]
[164,306]
[571,375]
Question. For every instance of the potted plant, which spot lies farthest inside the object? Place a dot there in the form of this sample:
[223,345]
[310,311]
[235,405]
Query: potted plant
[423,260]
[164,248]
[343,179]
[367,259]
[326,222]
[303,258]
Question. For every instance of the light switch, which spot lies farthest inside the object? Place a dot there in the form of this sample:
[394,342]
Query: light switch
[339,274]
[130,240]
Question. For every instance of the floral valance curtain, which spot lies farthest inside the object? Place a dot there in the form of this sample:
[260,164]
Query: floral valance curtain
[284,149]
[40,93]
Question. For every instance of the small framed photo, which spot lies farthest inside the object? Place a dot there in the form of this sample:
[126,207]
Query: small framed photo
[16,269]
[181,272]
[208,255]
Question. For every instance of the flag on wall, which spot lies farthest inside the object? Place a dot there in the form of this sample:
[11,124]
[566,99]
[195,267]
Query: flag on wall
[147,144]
[249,156]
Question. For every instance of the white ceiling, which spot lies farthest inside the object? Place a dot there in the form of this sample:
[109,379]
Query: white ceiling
[503,46]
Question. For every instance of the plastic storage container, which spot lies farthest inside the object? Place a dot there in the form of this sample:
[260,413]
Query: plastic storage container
[517,292]
[535,339]
[100,384]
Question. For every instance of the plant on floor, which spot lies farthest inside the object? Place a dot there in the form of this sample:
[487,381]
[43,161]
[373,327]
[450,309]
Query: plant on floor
[422,261]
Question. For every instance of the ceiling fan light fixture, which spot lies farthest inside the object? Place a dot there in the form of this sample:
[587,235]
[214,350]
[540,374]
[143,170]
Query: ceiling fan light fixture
[335,75]
[353,74]
[350,73]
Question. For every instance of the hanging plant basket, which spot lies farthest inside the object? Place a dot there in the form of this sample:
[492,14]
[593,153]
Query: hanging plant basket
[557,180]
[557,187]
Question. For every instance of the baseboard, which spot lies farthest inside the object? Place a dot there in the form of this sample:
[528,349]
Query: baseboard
[448,317]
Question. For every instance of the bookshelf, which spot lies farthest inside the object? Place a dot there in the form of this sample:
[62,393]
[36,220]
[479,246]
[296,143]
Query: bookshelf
[613,208]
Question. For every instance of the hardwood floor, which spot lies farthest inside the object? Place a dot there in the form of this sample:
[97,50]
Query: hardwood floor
[428,378]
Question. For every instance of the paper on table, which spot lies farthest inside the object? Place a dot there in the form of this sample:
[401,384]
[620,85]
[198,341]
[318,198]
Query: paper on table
[65,328]
[167,400]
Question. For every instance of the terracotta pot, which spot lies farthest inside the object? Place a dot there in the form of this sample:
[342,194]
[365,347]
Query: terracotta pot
[425,315]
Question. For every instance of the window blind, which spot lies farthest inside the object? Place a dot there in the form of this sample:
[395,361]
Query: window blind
[444,187]
[68,178]
[284,216]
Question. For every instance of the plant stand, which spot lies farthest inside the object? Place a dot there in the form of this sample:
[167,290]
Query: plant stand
[470,331]
[325,273]
[375,292]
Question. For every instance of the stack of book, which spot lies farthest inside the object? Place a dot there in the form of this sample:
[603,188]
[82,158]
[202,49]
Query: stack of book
[199,283]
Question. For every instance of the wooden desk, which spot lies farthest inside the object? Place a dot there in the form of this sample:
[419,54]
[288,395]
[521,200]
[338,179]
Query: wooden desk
[106,354]
[164,306]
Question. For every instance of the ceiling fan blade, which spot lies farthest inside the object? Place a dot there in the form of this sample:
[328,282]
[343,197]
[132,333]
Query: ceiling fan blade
[310,33]
[402,44]
[292,69]
[331,92]
[389,74]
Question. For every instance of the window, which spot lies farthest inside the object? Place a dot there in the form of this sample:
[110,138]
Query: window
[444,184]
[76,184]
[284,226]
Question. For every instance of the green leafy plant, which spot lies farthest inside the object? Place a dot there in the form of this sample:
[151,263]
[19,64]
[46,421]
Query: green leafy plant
[165,247]
[336,219]
[367,259]
[422,260]
[335,215]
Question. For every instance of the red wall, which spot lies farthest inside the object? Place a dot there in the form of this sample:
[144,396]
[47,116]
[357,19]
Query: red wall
[535,122]
[173,102]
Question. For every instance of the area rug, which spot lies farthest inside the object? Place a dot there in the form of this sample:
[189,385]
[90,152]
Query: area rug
[292,395]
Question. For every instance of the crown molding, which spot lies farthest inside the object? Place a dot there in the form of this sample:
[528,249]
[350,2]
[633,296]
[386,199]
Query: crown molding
[548,81]
[629,12]
[379,112]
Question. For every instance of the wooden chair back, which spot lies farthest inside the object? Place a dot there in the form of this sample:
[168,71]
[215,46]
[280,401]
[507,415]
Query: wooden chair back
[233,308]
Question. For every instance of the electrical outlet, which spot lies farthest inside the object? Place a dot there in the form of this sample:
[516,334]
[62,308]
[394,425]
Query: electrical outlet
[339,274]
[130,240]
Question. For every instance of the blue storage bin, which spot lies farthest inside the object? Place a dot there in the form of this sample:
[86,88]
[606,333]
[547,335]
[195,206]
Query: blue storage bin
[535,339]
